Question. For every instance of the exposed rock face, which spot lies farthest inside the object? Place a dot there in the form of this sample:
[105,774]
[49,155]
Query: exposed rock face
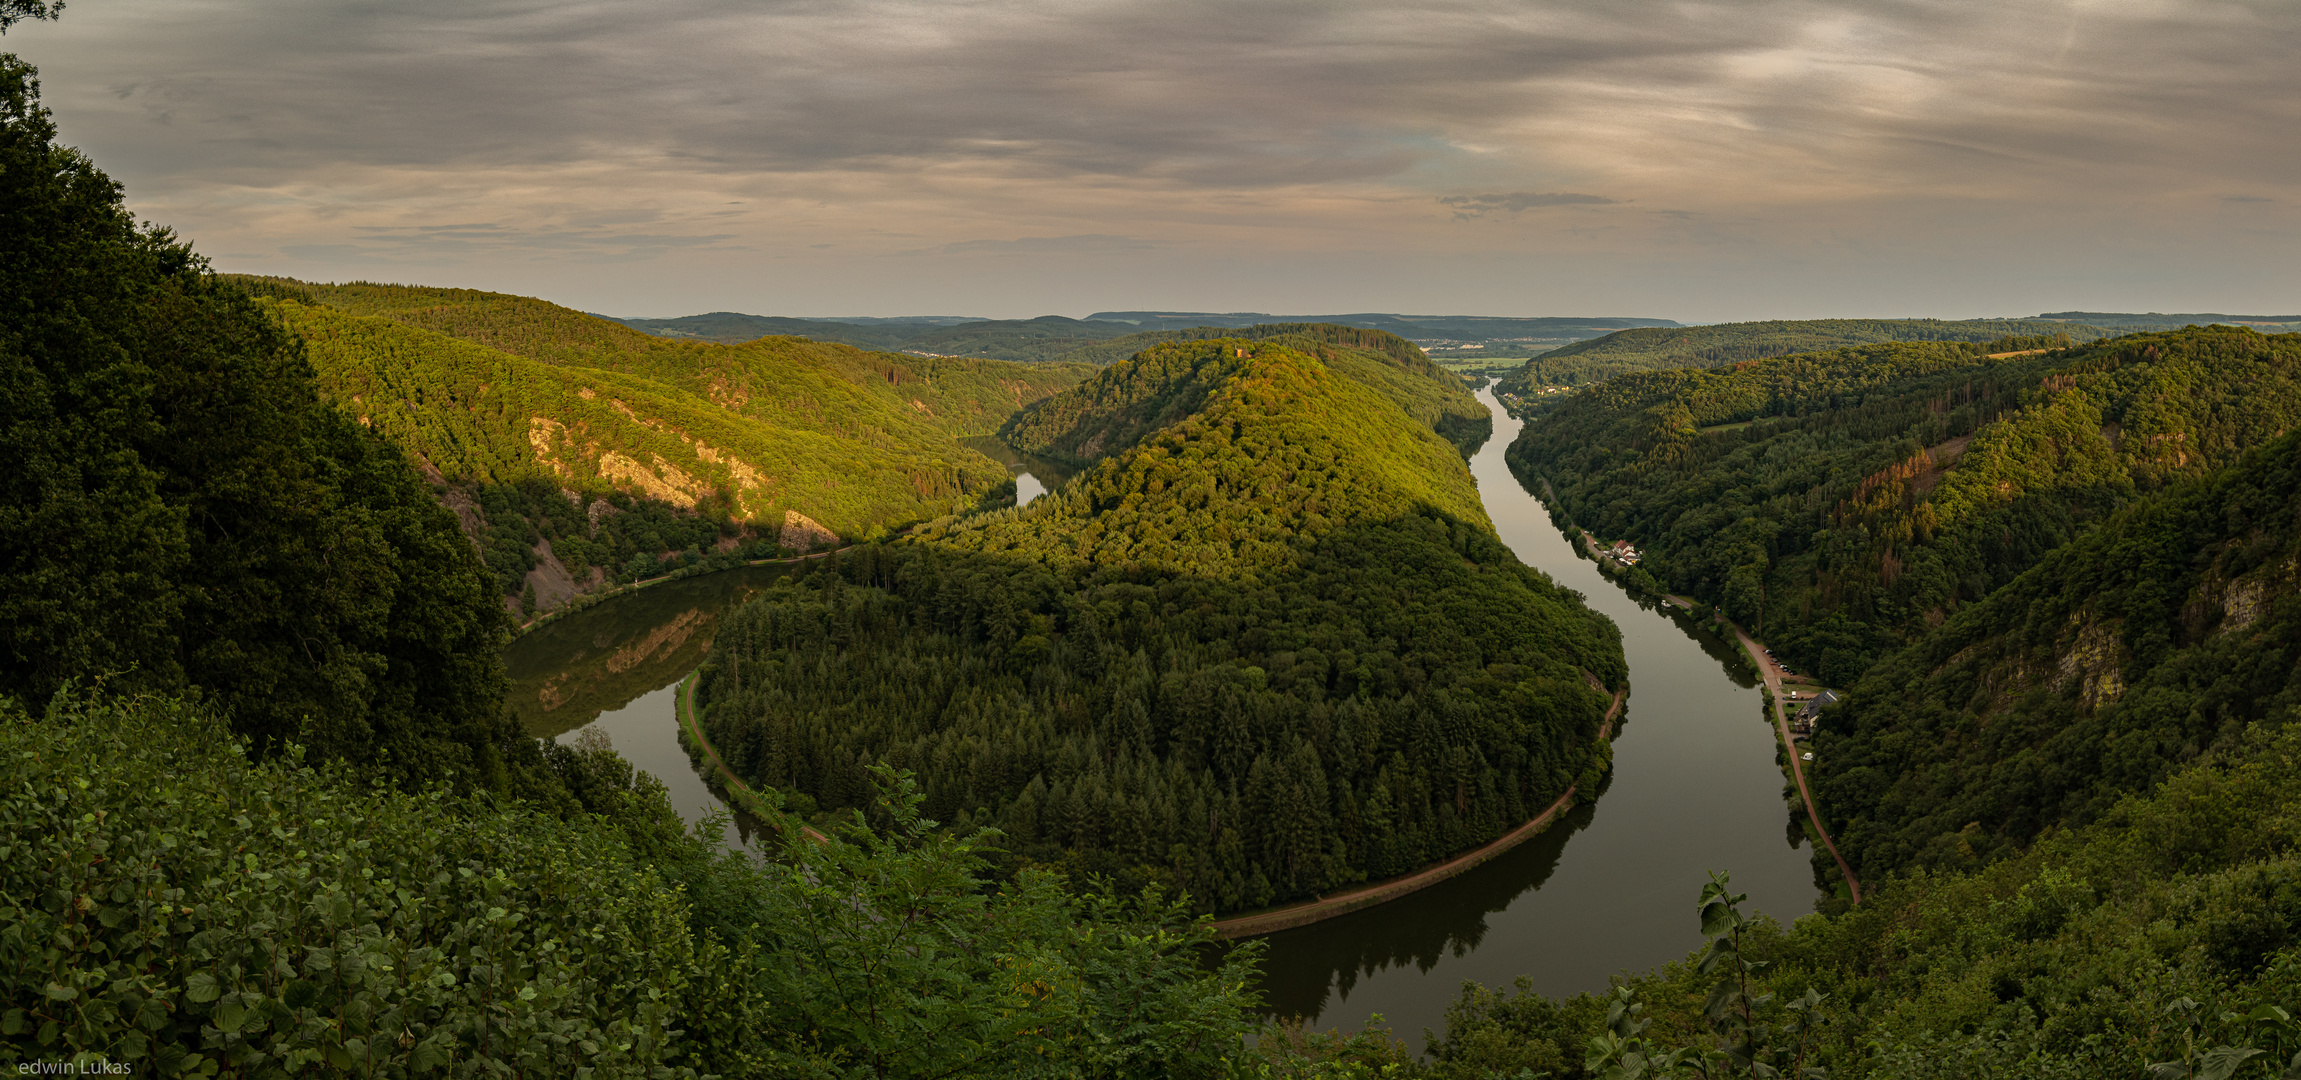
[554,585]
[665,482]
[803,533]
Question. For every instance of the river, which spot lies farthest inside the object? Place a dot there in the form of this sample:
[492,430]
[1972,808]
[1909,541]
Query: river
[1696,786]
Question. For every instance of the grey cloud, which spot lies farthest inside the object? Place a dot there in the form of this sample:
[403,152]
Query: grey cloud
[2245,199]
[1043,245]
[1198,92]
[922,113]
[1473,206]
[433,243]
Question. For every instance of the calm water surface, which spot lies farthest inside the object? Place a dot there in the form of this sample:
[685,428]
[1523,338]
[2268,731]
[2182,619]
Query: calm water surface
[1611,888]
[1695,787]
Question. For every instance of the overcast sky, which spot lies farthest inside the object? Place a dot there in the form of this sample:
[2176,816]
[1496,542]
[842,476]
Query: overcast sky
[1696,161]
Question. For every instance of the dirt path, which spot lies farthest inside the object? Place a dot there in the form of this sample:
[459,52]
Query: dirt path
[1773,676]
[689,719]
[1367,896]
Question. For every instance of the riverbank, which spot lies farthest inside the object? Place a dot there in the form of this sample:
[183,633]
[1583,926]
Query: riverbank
[691,728]
[1366,896]
[587,601]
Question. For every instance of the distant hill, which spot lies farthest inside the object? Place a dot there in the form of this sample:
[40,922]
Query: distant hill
[1446,337]
[1602,358]
[1457,337]
[734,328]
[2129,322]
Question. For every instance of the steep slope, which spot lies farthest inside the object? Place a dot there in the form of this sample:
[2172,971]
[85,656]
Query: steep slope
[657,446]
[1380,359]
[182,513]
[1267,646]
[1656,349]
[2167,634]
[476,413]
[1844,503]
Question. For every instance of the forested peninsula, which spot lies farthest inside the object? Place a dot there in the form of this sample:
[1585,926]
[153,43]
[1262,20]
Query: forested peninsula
[1265,646]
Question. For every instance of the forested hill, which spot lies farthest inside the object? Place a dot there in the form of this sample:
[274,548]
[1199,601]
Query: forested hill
[1110,412]
[1269,648]
[657,446]
[2171,632]
[1843,503]
[1651,349]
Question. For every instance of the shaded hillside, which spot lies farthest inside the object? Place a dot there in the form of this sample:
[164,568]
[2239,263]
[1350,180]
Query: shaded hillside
[1603,358]
[182,512]
[1382,360]
[1262,649]
[2169,633]
[1844,503]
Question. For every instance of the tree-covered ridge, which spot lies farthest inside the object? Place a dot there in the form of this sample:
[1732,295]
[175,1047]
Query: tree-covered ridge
[181,509]
[478,414]
[1271,648]
[1356,337]
[1845,503]
[1657,348]
[2124,656]
[835,389]
[1229,452]
[1156,386]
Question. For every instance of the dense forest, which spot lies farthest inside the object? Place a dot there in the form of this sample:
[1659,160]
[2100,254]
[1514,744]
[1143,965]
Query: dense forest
[1266,647]
[579,453]
[1658,349]
[1841,504]
[2172,632]
[183,508]
[2078,808]
[263,811]
[1060,426]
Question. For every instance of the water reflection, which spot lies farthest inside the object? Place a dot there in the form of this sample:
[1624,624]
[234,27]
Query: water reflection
[1034,476]
[615,669]
[1695,786]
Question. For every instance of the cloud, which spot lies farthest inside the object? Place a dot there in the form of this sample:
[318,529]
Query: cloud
[1471,206]
[1041,245]
[1303,130]
[2245,198]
